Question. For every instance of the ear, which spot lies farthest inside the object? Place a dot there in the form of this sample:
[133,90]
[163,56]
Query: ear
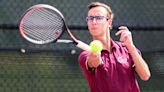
[110,21]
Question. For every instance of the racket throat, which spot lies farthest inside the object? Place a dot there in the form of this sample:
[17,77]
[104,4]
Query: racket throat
[83,45]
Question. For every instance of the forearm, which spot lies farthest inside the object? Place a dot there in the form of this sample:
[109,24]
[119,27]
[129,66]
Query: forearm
[141,66]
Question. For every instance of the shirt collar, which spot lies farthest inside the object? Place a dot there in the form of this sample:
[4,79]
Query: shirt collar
[114,45]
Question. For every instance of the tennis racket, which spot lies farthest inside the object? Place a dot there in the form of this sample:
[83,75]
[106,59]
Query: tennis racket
[43,24]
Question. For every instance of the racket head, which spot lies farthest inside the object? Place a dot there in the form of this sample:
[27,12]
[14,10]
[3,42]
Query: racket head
[42,24]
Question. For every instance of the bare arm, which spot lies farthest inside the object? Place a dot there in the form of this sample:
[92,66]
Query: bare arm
[142,68]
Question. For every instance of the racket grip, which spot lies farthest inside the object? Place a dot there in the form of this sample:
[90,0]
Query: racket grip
[83,46]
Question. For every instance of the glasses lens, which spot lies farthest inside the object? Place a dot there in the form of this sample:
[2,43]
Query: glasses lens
[97,18]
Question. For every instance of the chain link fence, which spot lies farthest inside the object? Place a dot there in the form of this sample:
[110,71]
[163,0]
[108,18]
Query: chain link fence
[53,68]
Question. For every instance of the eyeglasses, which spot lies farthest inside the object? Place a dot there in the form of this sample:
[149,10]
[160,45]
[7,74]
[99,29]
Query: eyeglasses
[98,19]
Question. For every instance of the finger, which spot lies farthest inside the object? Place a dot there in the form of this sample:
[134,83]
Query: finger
[123,28]
[120,32]
[93,55]
[122,37]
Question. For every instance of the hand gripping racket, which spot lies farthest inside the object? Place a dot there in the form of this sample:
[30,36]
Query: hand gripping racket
[43,24]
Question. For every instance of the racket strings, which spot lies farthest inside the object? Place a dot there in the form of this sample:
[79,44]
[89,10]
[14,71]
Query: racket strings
[45,18]
[40,20]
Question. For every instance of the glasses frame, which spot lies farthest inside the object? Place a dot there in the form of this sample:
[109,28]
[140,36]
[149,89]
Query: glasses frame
[98,19]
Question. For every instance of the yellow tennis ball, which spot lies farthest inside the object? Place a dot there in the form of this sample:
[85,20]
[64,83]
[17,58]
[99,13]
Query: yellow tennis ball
[96,46]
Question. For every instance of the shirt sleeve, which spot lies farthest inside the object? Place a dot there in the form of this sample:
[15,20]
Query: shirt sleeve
[82,59]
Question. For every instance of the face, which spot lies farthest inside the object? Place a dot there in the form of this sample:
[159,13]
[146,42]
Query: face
[97,21]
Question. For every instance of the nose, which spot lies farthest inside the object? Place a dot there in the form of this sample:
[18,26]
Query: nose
[94,20]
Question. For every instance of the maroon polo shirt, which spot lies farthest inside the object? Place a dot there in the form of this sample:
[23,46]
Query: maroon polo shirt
[116,74]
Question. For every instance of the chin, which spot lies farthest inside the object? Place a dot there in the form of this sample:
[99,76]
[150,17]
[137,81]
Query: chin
[96,34]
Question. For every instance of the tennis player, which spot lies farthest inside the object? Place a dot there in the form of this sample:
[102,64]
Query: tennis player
[116,67]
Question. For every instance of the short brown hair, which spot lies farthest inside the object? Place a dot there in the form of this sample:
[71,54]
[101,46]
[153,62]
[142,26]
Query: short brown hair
[97,4]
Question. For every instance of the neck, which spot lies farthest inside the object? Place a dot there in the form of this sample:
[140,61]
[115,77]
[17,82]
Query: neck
[105,39]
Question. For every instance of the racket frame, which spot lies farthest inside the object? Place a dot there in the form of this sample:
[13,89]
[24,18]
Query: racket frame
[73,40]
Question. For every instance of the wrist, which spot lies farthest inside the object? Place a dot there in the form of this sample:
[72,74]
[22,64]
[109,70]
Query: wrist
[88,67]
[131,48]
[94,63]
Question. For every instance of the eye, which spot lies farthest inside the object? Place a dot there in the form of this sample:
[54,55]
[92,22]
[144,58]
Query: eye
[99,17]
[90,18]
